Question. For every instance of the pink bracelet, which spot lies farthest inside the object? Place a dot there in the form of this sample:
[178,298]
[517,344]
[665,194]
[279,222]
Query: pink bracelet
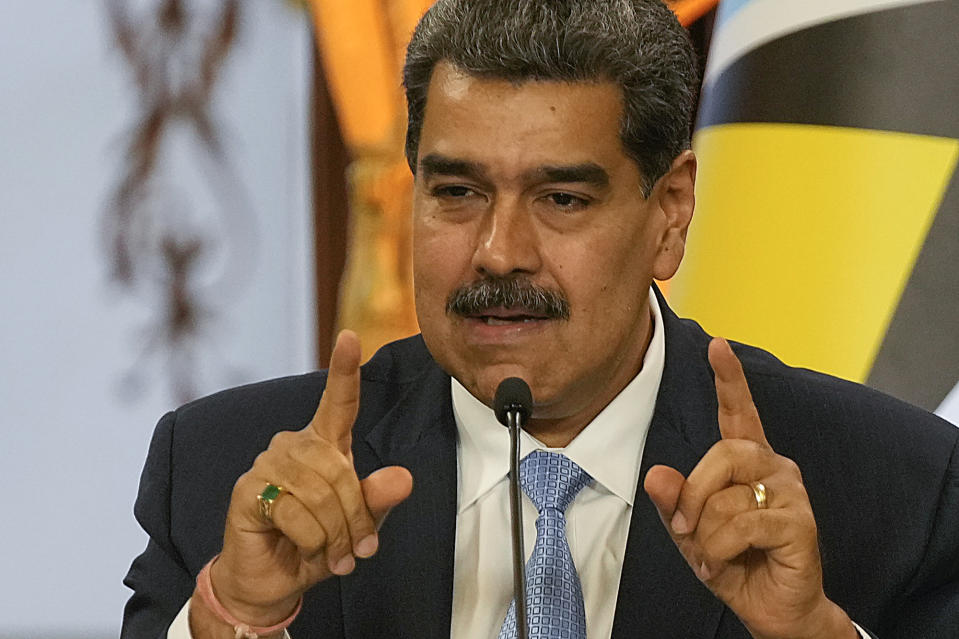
[204,585]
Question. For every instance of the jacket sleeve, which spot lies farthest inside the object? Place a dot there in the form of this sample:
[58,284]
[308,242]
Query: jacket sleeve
[159,579]
[931,607]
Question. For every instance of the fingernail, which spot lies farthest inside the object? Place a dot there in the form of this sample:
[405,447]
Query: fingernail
[679,524]
[344,566]
[704,572]
[366,546]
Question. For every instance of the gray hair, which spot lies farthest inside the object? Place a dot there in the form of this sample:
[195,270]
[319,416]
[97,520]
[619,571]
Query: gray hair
[637,44]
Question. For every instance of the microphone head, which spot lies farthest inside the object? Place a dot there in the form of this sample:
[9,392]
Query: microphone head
[512,394]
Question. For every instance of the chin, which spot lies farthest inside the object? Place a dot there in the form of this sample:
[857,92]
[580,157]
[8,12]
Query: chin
[487,381]
[481,371]
[483,382]
[542,390]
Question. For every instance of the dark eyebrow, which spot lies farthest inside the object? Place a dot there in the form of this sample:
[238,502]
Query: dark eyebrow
[436,164]
[588,173]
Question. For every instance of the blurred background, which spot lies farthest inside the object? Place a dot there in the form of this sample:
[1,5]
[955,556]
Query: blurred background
[196,194]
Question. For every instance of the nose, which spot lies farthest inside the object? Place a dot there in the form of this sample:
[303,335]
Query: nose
[507,242]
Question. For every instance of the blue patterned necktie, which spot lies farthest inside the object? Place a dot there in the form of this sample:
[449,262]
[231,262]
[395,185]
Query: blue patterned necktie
[554,596]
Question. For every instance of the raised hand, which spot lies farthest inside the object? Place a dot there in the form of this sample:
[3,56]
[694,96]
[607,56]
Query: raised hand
[761,559]
[323,519]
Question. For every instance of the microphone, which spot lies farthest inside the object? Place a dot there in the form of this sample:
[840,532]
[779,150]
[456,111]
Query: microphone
[513,404]
[512,394]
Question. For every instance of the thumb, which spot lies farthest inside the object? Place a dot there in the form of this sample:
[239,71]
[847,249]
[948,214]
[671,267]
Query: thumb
[384,489]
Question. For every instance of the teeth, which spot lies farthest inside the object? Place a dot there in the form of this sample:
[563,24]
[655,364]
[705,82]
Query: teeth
[495,321]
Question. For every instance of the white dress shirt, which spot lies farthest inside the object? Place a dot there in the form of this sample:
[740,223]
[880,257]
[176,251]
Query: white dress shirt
[610,449]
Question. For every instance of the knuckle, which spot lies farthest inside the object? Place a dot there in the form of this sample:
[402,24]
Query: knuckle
[327,508]
[711,550]
[282,439]
[313,544]
[747,447]
[296,478]
[309,540]
[728,453]
[243,486]
[722,448]
[722,505]
[805,519]
[713,508]
[308,535]
[317,499]
[328,500]
[310,548]
[335,462]
[311,452]
[691,498]
[792,468]
[264,459]
[329,462]
[343,472]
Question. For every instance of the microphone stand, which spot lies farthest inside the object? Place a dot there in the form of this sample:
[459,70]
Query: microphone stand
[516,518]
[513,404]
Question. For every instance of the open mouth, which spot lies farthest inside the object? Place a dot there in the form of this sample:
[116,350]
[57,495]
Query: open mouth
[505,321]
[506,317]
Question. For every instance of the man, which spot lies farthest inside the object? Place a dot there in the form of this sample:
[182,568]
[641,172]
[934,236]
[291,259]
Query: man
[549,141]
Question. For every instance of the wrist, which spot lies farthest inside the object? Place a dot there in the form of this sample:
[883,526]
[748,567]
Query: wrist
[254,613]
[830,622]
[837,624]
[245,621]
[206,624]
[827,621]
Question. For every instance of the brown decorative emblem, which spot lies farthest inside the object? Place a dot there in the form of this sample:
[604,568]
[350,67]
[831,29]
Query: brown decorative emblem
[178,230]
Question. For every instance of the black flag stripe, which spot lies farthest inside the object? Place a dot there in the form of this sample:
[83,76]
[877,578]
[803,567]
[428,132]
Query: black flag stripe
[919,357]
[857,75]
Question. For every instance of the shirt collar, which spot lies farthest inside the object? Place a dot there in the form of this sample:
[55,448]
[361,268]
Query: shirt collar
[610,448]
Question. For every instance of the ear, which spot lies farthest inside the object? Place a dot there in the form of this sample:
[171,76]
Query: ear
[675,195]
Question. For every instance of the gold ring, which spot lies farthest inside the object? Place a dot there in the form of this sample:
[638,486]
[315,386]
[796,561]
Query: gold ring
[265,501]
[760,492]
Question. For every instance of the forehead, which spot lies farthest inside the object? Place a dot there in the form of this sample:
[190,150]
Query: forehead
[513,125]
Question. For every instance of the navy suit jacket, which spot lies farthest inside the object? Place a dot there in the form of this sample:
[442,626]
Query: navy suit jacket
[882,476]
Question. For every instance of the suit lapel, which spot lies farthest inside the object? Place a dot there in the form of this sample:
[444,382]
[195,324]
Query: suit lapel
[659,596]
[406,589]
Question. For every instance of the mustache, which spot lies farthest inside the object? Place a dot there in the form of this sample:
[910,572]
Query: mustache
[507,292]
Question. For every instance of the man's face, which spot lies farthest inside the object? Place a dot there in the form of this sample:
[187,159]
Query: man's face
[529,183]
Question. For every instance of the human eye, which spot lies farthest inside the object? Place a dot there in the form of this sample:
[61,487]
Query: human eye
[452,192]
[567,201]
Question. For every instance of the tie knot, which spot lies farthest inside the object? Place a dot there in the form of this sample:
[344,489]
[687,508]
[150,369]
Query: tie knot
[551,480]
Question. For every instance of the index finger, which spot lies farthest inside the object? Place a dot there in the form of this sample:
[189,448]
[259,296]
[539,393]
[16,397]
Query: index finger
[334,417]
[738,417]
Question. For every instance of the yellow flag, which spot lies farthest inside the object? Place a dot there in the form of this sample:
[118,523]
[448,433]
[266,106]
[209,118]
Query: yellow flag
[827,223]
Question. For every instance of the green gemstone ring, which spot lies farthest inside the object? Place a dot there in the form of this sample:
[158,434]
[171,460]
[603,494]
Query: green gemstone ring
[265,501]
